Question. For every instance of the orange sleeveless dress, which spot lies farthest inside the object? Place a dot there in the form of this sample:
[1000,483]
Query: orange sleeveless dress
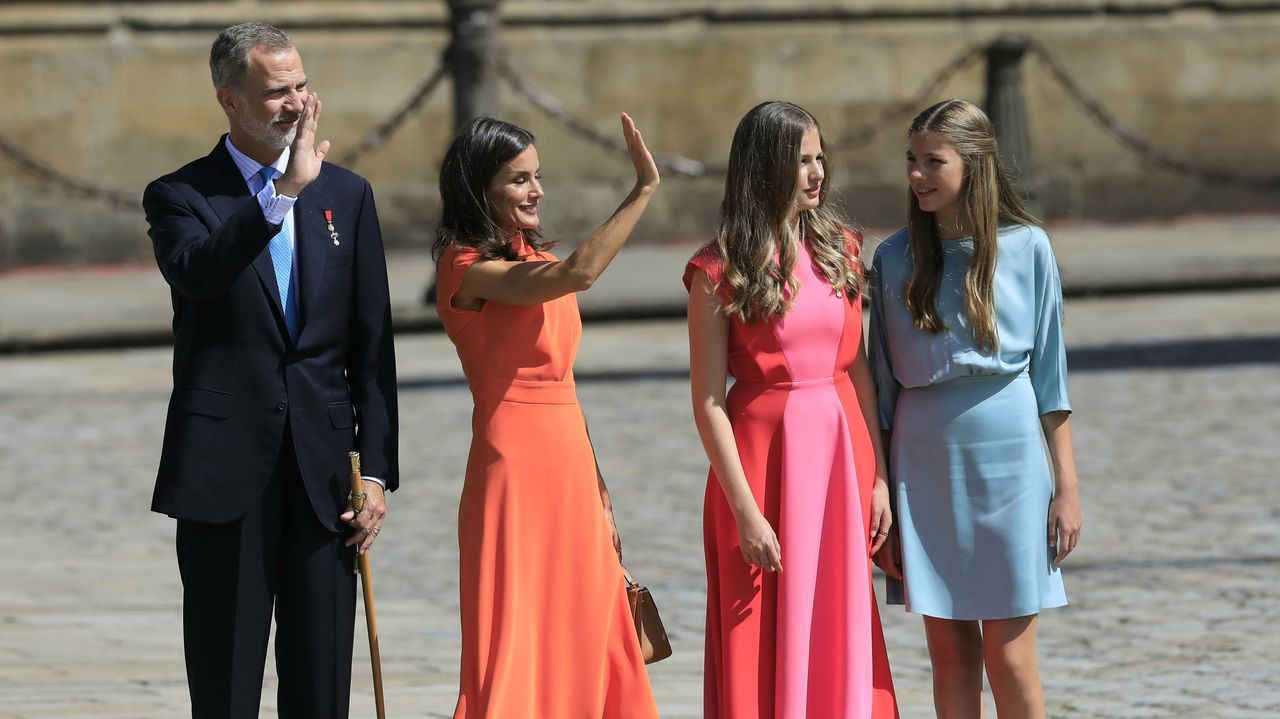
[546,629]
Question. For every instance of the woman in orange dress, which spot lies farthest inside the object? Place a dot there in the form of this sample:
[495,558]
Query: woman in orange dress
[546,628]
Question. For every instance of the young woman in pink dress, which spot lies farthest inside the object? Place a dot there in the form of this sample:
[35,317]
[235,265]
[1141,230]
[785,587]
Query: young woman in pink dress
[797,480]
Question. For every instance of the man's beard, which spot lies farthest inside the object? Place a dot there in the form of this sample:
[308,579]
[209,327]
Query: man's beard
[268,133]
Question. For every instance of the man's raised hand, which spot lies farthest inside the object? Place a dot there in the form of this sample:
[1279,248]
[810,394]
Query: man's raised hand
[305,155]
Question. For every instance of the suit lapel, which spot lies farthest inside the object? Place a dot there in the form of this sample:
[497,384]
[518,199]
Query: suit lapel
[229,194]
[312,243]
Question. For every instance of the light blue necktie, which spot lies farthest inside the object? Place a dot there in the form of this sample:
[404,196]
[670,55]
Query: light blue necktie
[281,247]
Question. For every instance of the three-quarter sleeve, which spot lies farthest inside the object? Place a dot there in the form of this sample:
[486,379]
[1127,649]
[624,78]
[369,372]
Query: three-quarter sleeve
[1048,363]
[878,349]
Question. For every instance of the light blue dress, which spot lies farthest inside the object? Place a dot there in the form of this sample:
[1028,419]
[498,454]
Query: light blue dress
[970,474]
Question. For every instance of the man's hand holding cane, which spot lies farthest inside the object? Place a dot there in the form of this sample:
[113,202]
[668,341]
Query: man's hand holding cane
[366,520]
[367,523]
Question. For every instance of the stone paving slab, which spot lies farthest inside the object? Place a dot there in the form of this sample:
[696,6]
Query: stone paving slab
[129,304]
[1173,591]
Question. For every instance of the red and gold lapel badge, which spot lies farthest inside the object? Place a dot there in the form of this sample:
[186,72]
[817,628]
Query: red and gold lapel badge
[333,234]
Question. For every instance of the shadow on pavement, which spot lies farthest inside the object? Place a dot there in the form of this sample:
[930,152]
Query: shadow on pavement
[1177,355]
[1181,354]
[602,377]
[1137,565]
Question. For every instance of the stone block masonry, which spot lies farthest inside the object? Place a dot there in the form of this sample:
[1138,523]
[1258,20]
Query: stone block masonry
[117,94]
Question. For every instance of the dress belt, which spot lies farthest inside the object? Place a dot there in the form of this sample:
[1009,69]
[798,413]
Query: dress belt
[842,378]
[528,391]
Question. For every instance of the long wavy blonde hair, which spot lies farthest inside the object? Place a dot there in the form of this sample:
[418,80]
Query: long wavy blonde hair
[754,239]
[986,201]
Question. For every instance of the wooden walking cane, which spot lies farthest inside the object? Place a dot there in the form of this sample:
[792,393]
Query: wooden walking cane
[366,580]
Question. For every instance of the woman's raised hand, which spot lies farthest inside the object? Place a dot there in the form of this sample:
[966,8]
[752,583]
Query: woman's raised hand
[646,170]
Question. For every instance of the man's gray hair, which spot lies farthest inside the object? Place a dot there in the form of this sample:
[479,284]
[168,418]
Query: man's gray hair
[229,56]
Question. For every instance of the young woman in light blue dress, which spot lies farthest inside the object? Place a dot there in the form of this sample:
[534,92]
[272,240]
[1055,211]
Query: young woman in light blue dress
[966,346]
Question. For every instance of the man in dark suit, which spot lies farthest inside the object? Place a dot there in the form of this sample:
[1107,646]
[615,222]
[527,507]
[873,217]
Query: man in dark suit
[283,362]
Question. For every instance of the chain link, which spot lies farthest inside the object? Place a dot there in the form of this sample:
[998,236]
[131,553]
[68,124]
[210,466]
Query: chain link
[378,136]
[373,140]
[558,111]
[70,185]
[892,115]
[1134,140]
[688,167]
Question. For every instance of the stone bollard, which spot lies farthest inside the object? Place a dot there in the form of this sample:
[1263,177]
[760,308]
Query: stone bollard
[1007,106]
[473,57]
[473,62]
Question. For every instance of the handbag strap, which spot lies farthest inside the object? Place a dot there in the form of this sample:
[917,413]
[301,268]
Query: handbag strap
[600,479]
[630,580]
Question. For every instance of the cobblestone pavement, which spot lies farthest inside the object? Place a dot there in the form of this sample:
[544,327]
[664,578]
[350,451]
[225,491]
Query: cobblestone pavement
[132,307]
[1173,590]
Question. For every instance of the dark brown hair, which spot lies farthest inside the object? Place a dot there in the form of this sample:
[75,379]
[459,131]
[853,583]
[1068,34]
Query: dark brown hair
[475,156]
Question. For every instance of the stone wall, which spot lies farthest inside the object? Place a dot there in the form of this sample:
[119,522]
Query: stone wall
[118,93]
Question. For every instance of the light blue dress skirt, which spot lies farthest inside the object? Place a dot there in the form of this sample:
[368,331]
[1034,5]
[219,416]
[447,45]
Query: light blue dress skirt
[973,487]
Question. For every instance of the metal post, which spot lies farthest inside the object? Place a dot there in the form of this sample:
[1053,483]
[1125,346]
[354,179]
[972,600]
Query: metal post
[1007,107]
[473,57]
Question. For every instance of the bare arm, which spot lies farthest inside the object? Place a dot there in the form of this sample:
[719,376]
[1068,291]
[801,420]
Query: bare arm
[531,283]
[1065,518]
[708,376]
[864,387]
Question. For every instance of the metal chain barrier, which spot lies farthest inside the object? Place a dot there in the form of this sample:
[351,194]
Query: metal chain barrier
[378,136]
[688,167]
[558,111]
[70,185]
[892,115]
[375,139]
[1135,141]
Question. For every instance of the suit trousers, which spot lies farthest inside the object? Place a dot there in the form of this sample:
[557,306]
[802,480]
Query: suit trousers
[232,574]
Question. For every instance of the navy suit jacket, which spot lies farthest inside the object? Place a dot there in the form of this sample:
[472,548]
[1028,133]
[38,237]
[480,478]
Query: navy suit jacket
[237,379]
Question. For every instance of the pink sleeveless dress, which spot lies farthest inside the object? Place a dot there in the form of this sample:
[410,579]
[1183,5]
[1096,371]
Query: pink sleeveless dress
[806,642]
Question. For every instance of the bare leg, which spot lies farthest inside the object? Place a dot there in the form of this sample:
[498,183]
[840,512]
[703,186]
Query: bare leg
[1009,647]
[955,649]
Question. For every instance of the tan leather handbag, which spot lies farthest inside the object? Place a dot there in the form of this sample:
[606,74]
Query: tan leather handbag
[654,646]
[653,636]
